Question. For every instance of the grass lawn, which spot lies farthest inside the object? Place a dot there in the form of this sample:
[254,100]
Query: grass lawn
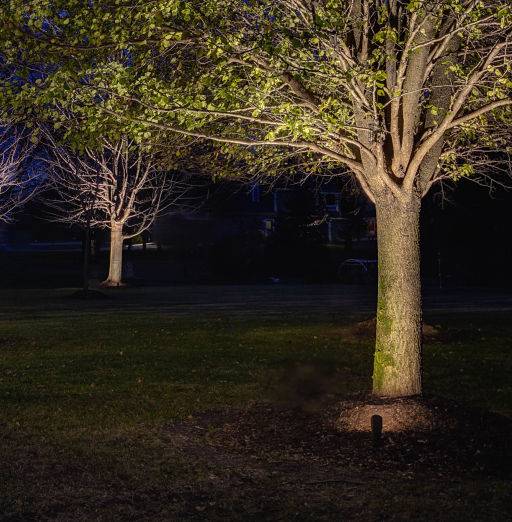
[116,416]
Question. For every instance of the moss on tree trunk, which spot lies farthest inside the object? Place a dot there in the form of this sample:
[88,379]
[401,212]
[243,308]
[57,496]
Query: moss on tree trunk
[397,362]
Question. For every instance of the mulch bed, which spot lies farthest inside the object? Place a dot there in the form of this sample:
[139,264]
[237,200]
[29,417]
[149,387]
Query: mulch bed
[269,452]
[366,330]
[446,434]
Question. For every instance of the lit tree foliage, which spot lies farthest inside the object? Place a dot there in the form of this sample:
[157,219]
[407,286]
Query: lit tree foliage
[398,94]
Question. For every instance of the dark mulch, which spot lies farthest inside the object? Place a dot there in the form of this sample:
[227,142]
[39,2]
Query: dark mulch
[366,330]
[467,438]
[275,462]
[259,456]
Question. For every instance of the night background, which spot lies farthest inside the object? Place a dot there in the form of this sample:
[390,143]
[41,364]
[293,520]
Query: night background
[255,260]
[255,233]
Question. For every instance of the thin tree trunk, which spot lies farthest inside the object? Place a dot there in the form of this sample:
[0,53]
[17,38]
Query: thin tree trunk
[116,256]
[397,364]
[87,253]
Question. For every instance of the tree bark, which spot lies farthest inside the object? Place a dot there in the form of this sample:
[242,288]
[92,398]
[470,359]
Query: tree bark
[116,256]
[397,363]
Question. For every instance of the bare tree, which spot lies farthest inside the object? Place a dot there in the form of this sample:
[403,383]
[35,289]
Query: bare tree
[16,184]
[119,187]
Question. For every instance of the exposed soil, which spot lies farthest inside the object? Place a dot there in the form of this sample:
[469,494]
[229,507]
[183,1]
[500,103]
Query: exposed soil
[396,416]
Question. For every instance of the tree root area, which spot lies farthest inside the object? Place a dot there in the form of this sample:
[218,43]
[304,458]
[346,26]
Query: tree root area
[112,284]
[436,435]
[276,462]
[280,463]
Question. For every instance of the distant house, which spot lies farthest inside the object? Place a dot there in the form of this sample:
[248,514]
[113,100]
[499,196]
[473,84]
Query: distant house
[234,209]
[229,210]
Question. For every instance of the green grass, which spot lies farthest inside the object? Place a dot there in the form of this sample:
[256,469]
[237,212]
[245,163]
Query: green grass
[94,389]
[97,372]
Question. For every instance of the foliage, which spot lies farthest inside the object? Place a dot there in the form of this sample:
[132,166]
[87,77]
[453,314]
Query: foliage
[402,94]
[380,88]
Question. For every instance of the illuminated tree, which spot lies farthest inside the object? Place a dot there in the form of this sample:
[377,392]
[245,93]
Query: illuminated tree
[16,182]
[389,92]
[119,187]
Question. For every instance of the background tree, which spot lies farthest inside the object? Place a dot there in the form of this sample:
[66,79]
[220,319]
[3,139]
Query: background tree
[388,92]
[119,187]
[17,183]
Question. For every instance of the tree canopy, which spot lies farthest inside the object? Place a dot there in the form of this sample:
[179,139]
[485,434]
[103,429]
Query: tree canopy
[402,93]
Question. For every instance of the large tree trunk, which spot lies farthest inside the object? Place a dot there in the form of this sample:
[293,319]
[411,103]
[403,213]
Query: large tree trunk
[397,364]
[116,256]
